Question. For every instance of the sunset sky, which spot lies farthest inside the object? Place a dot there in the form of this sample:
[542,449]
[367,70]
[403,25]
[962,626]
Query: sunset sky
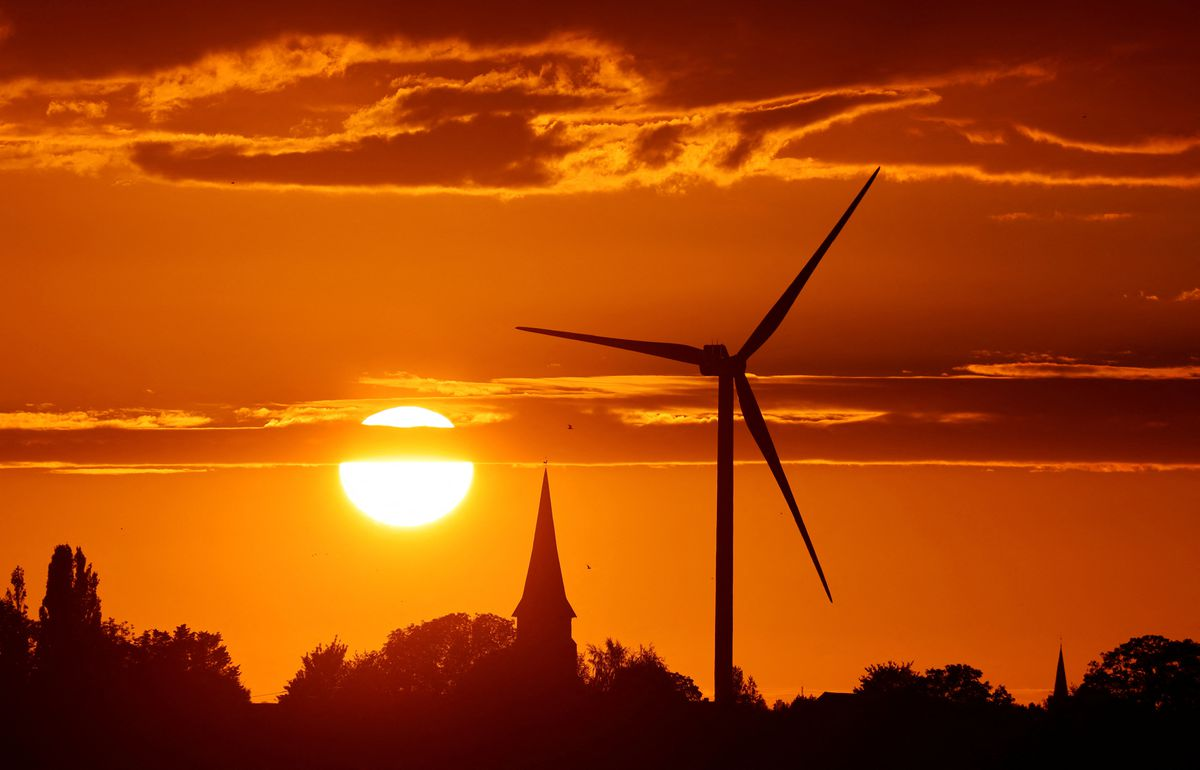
[231,231]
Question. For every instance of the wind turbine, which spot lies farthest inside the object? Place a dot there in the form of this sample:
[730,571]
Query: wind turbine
[730,371]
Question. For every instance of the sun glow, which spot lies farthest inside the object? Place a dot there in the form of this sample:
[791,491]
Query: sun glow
[408,417]
[406,493]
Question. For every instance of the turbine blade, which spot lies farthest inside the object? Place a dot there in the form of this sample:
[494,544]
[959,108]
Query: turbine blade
[758,428]
[780,309]
[674,351]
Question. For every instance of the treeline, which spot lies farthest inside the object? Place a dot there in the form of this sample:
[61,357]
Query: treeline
[69,651]
[461,655]
[77,689]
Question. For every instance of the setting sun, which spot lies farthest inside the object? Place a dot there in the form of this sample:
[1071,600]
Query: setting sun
[406,493]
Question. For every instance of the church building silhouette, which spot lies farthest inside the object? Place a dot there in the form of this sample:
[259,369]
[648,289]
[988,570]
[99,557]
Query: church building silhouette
[544,648]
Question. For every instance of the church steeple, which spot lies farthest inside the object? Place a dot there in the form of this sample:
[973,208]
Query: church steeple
[545,596]
[1060,680]
[544,649]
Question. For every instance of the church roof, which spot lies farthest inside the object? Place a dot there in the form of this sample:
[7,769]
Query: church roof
[544,591]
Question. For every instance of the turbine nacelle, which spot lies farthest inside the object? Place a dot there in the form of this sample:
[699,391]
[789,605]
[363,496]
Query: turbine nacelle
[715,361]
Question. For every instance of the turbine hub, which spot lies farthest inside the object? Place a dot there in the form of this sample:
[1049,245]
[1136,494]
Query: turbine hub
[717,361]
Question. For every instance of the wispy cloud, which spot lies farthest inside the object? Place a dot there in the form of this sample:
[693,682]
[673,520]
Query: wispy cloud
[786,416]
[134,469]
[1000,407]
[1159,145]
[356,410]
[1187,295]
[303,414]
[1034,369]
[123,419]
[608,386]
[80,107]
[425,385]
[1059,216]
[1047,466]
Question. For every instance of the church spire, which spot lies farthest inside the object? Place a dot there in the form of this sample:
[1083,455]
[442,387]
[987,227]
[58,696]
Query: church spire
[545,596]
[1060,679]
[544,648]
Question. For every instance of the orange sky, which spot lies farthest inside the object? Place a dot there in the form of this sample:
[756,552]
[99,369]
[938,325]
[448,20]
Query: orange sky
[229,234]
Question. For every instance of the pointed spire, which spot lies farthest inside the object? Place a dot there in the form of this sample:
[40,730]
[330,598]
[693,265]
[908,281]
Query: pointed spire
[1060,678]
[544,595]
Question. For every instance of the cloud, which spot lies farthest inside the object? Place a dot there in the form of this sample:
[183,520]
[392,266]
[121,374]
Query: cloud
[606,386]
[1156,145]
[1042,369]
[1059,216]
[80,107]
[303,414]
[1033,409]
[1048,466]
[482,151]
[697,416]
[1187,295]
[352,411]
[417,384]
[135,469]
[274,65]
[130,419]
[551,112]
[123,471]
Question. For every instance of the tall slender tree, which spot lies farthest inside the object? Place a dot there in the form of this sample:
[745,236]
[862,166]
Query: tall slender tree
[16,595]
[16,640]
[70,636]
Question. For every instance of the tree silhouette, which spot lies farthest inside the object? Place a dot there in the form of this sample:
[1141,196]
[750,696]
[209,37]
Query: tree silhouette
[429,658]
[745,690]
[600,664]
[71,649]
[433,657]
[891,679]
[641,676]
[1152,673]
[963,684]
[957,683]
[185,666]
[647,676]
[16,595]
[321,675]
[16,635]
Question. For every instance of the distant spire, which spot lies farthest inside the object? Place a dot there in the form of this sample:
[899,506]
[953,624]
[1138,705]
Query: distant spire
[545,596]
[1060,679]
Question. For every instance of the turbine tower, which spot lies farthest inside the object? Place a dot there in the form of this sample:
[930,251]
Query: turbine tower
[730,371]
